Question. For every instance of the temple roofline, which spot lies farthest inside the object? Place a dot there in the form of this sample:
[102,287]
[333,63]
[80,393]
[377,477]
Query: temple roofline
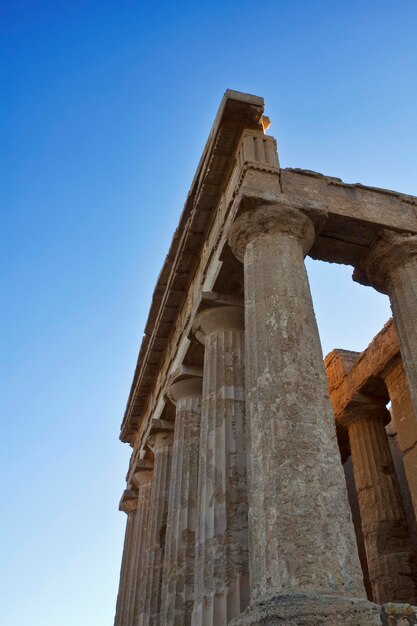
[237,112]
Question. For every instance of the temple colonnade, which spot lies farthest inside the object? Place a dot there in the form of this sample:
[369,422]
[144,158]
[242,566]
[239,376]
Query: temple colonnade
[237,503]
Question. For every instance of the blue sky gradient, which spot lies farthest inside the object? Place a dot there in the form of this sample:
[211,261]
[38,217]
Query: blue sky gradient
[106,108]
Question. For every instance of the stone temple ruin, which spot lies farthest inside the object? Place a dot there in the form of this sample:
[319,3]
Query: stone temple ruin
[266,486]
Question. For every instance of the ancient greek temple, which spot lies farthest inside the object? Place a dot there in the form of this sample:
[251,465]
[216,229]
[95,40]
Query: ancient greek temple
[267,485]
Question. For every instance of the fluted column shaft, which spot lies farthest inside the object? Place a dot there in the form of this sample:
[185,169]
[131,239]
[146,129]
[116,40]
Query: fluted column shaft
[391,267]
[221,580]
[389,550]
[179,563]
[143,483]
[301,536]
[149,597]
[128,505]
[406,423]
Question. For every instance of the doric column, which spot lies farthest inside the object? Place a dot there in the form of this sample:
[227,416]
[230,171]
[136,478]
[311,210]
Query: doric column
[221,580]
[405,421]
[302,547]
[149,598]
[391,267]
[128,504]
[178,574]
[141,480]
[389,550]
[357,522]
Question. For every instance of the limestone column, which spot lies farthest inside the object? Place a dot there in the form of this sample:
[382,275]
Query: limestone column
[357,522]
[392,562]
[221,579]
[304,564]
[405,422]
[178,574]
[128,504]
[141,480]
[148,606]
[391,267]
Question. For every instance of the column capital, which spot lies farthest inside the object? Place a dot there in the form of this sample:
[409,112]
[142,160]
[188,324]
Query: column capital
[160,439]
[142,472]
[129,501]
[143,465]
[185,388]
[389,251]
[141,478]
[161,426]
[287,216]
[366,410]
[218,318]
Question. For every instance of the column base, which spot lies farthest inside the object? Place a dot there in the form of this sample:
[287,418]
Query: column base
[303,609]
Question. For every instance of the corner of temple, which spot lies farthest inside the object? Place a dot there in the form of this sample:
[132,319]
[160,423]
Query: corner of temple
[303,220]
[266,486]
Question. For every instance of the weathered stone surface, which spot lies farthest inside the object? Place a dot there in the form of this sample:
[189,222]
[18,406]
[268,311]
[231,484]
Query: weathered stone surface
[297,493]
[391,267]
[304,566]
[401,405]
[410,465]
[350,374]
[397,457]
[221,581]
[308,609]
[237,112]
[399,615]
[148,606]
[356,213]
[128,504]
[135,574]
[385,522]
[178,575]
[391,556]
[357,523]
[160,426]
[405,421]
[128,501]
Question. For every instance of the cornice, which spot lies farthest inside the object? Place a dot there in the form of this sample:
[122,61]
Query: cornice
[237,113]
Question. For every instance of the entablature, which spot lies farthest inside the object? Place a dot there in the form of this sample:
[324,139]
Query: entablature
[352,375]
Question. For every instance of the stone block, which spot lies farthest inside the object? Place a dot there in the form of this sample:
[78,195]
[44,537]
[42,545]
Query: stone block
[304,609]
[399,615]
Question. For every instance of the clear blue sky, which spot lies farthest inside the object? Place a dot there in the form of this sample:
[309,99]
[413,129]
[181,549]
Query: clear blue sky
[105,110]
